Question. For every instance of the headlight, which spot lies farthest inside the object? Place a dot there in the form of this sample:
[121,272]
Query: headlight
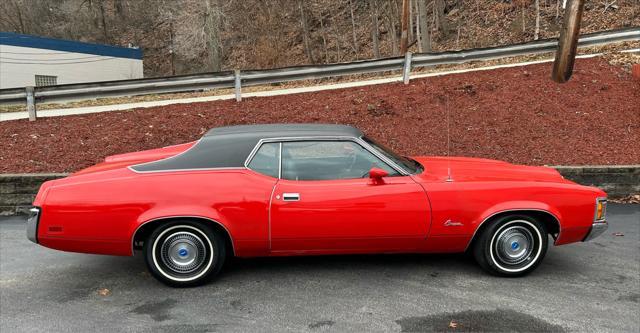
[601,209]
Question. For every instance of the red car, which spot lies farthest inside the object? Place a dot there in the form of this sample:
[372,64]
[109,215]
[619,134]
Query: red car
[284,190]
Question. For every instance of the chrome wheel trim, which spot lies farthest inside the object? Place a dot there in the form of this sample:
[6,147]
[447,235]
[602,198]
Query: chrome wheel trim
[207,265]
[514,245]
[517,255]
[183,252]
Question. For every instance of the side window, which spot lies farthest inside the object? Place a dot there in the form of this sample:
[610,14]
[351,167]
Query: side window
[266,160]
[325,160]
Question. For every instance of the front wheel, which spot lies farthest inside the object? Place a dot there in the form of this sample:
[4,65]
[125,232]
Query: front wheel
[512,245]
[184,253]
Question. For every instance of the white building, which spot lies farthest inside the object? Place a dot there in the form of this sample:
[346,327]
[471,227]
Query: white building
[36,61]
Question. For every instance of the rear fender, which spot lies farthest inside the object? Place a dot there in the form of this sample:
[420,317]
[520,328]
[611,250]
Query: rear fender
[185,211]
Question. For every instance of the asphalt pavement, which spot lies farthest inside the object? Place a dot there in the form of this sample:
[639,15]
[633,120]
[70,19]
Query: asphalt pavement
[592,286]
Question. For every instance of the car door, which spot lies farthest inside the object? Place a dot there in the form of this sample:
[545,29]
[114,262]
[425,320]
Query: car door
[325,202]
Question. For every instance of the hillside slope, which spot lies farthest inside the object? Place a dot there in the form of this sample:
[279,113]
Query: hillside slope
[185,36]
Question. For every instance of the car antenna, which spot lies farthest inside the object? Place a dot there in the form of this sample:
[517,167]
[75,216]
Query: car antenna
[446,108]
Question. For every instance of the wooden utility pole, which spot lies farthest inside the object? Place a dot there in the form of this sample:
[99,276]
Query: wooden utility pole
[404,35]
[568,42]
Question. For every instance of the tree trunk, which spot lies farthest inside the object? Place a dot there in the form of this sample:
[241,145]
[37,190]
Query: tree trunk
[104,22]
[390,19]
[305,32]
[442,19]
[353,30]
[324,41]
[536,33]
[425,38]
[212,33]
[20,20]
[373,8]
[524,26]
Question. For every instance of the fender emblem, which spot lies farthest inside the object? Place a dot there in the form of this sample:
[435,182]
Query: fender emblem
[449,223]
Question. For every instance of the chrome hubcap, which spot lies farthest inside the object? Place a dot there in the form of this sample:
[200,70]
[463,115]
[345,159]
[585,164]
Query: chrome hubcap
[514,245]
[183,252]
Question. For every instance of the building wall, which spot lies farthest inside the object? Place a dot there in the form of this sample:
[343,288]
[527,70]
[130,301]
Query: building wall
[19,66]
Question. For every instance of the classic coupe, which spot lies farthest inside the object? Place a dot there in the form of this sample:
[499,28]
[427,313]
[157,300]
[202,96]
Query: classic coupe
[308,189]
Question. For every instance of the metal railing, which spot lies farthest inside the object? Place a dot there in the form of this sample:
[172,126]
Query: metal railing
[237,79]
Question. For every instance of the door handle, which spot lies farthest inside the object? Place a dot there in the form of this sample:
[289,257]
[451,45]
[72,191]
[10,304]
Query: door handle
[291,196]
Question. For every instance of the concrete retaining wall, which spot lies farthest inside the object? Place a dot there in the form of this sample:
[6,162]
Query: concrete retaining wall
[618,180]
[18,190]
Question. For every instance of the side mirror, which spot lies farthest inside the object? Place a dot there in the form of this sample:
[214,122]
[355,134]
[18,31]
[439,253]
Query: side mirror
[376,174]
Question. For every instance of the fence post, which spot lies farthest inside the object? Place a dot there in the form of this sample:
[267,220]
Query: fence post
[31,103]
[406,68]
[238,85]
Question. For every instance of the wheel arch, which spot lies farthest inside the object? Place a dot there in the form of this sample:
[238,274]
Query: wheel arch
[145,228]
[549,219]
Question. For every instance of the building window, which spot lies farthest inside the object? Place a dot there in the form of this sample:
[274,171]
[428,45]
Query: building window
[46,80]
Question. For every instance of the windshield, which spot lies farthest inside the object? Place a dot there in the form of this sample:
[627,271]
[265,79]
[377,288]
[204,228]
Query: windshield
[407,163]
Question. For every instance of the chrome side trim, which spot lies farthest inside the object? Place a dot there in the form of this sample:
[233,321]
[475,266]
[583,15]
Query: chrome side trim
[513,210]
[133,236]
[180,170]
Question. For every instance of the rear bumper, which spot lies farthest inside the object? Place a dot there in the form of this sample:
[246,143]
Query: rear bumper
[597,228]
[32,224]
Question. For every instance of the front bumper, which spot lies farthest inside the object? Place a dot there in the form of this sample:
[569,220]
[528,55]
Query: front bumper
[32,224]
[597,228]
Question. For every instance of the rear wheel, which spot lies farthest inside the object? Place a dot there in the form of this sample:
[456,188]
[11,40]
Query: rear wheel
[512,245]
[184,253]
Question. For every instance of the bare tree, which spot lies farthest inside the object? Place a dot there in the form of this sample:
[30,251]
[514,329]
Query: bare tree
[211,31]
[324,40]
[353,29]
[390,19]
[373,9]
[305,32]
[425,37]
[536,33]
[441,21]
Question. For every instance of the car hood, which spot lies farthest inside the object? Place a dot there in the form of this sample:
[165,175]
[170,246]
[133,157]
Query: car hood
[125,160]
[479,169]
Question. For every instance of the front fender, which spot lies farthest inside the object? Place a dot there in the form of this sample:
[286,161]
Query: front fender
[518,205]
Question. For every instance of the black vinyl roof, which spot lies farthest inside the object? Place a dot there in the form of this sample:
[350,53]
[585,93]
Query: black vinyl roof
[229,147]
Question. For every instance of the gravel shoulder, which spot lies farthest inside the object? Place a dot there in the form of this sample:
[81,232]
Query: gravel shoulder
[593,286]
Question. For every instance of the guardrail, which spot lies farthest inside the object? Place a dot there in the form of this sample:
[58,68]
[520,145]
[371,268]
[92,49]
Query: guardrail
[237,79]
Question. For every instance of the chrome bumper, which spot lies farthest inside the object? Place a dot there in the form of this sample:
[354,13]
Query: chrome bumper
[597,228]
[32,224]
